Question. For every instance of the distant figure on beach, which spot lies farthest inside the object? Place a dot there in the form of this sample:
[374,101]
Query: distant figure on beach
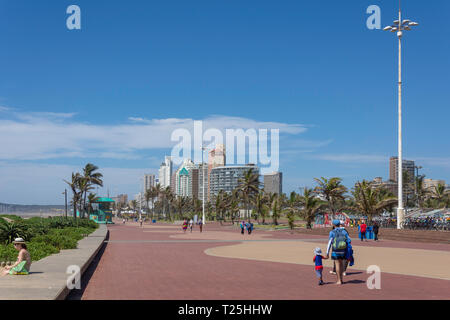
[23,263]
[191,224]
[242,227]
[185,225]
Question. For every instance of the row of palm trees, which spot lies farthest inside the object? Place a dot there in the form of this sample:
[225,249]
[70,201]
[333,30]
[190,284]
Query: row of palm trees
[328,196]
[435,197]
[81,185]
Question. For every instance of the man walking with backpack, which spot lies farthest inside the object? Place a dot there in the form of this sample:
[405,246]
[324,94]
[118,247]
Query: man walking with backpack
[338,242]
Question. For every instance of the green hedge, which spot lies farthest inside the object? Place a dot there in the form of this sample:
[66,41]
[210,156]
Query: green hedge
[46,236]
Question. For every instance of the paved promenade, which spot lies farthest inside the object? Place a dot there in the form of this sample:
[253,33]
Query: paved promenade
[161,262]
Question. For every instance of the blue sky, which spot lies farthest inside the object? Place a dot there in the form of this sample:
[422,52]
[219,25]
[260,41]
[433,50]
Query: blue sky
[112,92]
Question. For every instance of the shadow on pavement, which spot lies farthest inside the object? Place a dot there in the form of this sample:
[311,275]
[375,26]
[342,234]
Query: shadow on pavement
[78,294]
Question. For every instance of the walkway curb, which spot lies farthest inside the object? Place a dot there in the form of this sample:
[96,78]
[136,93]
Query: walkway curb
[48,277]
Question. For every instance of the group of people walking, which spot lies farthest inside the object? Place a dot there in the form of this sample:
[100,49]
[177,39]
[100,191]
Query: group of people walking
[190,224]
[246,226]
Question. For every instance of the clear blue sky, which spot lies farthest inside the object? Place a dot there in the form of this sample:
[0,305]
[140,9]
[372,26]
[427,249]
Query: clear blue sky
[308,64]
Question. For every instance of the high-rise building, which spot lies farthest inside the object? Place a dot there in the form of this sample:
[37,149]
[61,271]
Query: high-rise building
[227,178]
[165,172]
[121,198]
[202,171]
[430,184]
[149,181]
[273,182]
[390,185]
[184,179]
[407,165]
[216,158]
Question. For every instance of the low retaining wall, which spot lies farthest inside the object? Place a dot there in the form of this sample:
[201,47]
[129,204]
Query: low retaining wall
[48,277]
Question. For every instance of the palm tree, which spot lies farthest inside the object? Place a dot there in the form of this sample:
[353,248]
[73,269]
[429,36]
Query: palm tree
[371,200]
[180,203]
[91,199]
[74,184]
[420,191]
[168,199]
[220,205]
[249,186]
[332,191]
[440,195]
[292,209]
[133,204]
[311,206]
[209,210]
[276,208]
[90,178]
[259,203]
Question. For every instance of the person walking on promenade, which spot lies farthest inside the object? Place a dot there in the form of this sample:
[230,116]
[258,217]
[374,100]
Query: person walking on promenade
[185,225]
[318,264]
[346,261]
[200,223]
[362,230]
[242,227]
[23,263]
[375,230]
[123,220]
[140,222]
[338,241]
[191,224]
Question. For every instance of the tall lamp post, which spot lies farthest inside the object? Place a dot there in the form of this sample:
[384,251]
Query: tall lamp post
[203,187]
[399,26]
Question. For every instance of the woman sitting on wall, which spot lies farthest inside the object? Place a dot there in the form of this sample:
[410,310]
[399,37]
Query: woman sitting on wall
[23,263]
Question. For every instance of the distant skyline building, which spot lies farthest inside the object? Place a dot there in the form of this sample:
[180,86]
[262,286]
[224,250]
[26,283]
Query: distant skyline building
[429,184]
[202,170]
[184,176]
[121,198]
[149,181]
[227,178]
[390,185]
[216,158]
[408,165]
[273,182]
[165,172]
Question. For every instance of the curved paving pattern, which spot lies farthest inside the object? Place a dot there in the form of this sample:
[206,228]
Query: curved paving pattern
[134,266]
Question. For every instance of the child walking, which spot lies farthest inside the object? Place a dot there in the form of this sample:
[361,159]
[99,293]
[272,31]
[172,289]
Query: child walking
[318,264]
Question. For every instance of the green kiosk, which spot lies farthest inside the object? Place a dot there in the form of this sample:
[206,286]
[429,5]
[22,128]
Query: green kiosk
[102,211]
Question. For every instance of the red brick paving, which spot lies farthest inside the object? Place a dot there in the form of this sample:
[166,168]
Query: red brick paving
[182,271]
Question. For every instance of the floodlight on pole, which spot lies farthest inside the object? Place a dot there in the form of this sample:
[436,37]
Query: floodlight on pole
[400,27]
